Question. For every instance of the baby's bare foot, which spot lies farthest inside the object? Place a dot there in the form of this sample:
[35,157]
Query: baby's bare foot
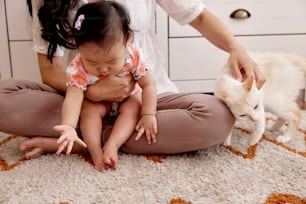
[96,156]
[110,155]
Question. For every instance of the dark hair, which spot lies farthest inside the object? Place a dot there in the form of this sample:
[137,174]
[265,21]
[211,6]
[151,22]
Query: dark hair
[103,22]
[54,19]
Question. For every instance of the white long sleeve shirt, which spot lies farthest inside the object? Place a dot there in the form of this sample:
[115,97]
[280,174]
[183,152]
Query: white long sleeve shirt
[142,14]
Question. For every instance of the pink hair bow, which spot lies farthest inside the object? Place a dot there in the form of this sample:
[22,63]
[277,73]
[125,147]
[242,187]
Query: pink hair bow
[79,21]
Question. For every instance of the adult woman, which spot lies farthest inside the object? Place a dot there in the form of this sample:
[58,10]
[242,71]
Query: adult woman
[186,121]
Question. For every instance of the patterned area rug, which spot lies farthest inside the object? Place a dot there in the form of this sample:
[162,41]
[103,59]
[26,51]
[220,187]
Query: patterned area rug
[268,173]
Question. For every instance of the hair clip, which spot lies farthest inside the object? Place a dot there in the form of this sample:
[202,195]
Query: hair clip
[79,21]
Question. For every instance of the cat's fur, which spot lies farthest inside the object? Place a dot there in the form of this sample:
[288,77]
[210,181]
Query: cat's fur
[284,74]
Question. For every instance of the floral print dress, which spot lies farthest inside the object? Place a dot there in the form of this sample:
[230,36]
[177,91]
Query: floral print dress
[135,65]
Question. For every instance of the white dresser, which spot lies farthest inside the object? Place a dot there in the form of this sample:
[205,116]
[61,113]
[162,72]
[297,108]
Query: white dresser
[193,63]
[17,58]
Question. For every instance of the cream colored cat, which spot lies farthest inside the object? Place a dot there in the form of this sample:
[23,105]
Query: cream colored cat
[284,75]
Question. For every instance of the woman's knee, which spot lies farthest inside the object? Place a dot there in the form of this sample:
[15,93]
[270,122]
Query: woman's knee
[7,86]
[221,107]
[220,112]
[222,120]
[213,120]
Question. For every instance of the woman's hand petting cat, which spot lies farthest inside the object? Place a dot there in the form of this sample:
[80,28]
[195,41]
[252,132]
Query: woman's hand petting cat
[242,66]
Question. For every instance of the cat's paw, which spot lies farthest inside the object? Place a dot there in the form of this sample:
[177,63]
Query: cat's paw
[272,128]
[228,140]
[254,140]
[283,138]
[275,127]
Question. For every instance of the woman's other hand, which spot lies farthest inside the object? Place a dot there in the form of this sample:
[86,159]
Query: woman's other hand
[111,88]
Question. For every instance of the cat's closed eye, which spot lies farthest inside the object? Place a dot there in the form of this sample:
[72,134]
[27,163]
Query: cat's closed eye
[242,115]
[256,107]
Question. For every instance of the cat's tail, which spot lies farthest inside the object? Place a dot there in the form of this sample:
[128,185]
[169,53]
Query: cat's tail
[299,61]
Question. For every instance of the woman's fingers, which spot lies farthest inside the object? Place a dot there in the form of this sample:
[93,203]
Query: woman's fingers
[259,77]
[236,72]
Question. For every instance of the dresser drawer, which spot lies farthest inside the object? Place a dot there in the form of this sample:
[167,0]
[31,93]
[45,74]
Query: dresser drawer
[196,59]
[267,17]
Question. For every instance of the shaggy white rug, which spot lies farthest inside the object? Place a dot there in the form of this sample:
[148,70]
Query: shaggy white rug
[268,173]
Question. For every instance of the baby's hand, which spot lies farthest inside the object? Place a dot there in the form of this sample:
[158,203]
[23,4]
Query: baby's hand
[148,125]
[67,138]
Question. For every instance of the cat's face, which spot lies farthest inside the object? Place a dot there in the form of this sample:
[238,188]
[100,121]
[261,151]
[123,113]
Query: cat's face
[243,99]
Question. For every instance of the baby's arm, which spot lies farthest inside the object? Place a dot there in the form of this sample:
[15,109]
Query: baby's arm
[70,115]
[147,123]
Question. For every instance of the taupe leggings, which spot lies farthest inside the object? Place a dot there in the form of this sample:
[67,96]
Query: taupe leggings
[186,121]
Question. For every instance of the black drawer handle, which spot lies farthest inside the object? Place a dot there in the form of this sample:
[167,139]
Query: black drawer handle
[240,14]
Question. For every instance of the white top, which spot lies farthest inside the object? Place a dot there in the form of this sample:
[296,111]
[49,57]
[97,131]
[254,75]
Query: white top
[142,13]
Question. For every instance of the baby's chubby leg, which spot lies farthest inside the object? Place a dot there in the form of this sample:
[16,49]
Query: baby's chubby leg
[123,128]
[91,127]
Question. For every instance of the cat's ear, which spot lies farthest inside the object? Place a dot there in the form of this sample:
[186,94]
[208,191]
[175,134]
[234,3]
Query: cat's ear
[222,94]
[248,83]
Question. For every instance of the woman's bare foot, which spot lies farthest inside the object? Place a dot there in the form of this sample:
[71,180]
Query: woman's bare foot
[110,156]
[37,146]
[33,147]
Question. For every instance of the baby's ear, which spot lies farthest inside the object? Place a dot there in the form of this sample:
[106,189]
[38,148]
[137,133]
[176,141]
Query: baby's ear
[130,37]
[248,83]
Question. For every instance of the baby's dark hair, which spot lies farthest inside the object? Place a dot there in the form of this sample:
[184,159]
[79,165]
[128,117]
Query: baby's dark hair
[102,22]
[54,19]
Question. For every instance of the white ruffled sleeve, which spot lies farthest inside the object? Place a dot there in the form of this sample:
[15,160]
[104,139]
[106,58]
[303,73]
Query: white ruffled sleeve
[182,11]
